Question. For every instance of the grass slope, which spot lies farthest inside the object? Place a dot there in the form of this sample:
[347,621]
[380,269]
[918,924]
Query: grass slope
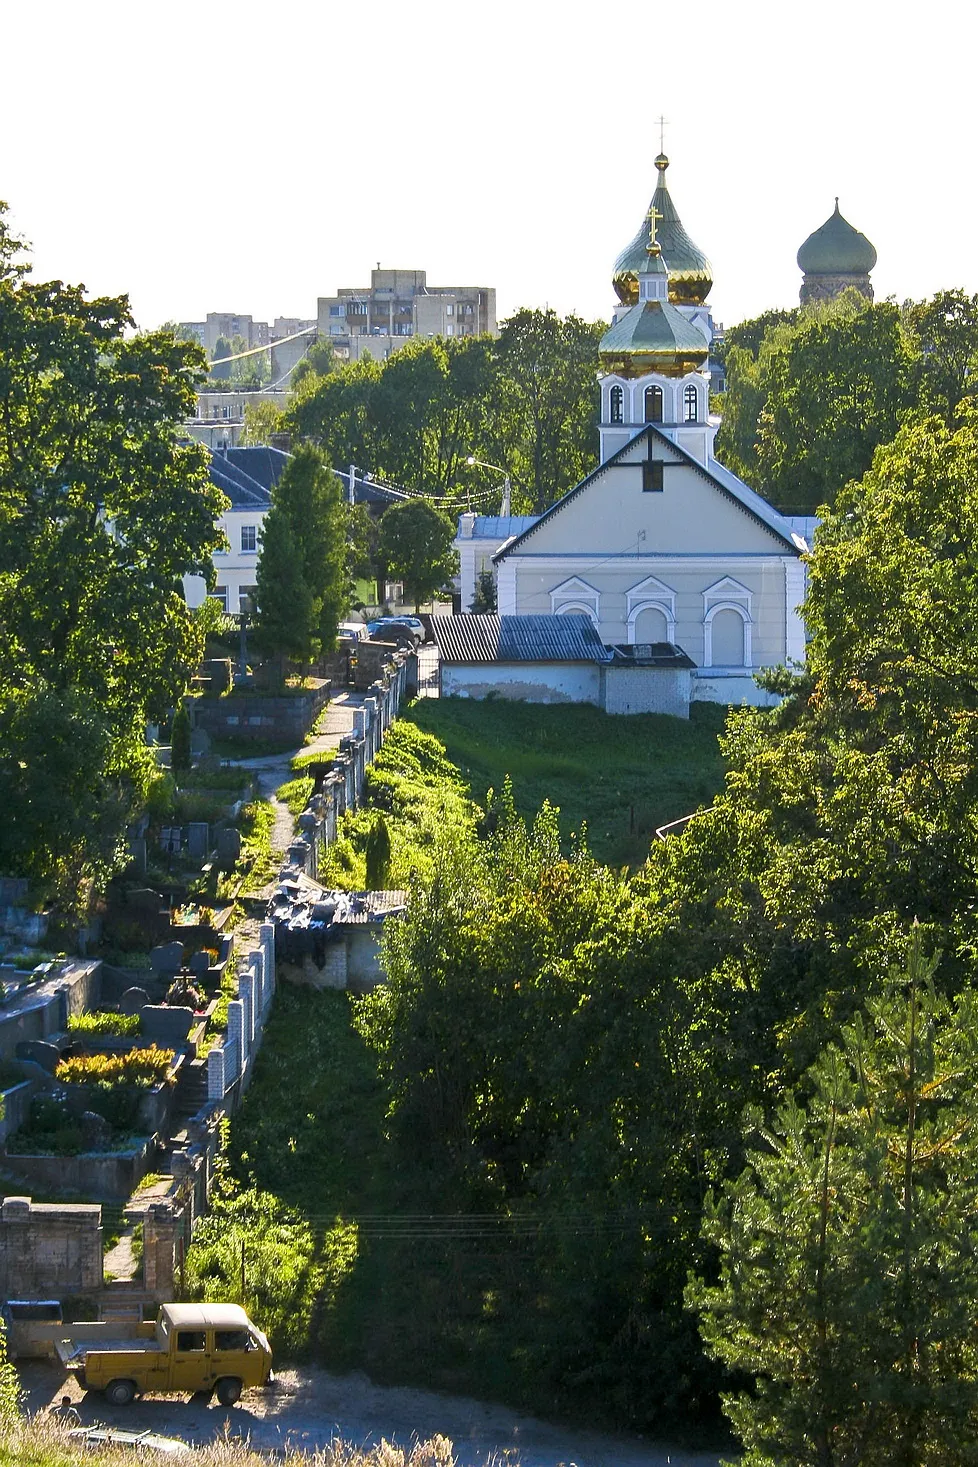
[623,776]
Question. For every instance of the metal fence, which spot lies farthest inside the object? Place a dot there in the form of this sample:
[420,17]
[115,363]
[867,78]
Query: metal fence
[427,672]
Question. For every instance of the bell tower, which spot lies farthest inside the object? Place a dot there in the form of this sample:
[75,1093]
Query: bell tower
[653,357]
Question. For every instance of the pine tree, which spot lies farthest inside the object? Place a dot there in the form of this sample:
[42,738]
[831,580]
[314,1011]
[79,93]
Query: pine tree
[849,1248]
[282,597]
[180,755]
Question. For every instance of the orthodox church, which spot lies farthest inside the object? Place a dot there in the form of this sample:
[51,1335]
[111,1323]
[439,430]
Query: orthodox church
[661,543]
[835,258]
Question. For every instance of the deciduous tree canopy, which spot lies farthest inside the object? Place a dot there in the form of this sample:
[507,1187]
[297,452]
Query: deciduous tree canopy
[102,511]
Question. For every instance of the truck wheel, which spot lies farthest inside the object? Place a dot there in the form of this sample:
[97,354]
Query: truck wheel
[228,1390]
[120,1392]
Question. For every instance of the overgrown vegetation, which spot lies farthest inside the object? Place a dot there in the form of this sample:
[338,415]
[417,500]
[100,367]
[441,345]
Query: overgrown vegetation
[140,1067]
[101,1022]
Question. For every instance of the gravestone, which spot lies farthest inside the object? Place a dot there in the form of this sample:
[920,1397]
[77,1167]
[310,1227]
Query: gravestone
[199,964]
[43,1054]
[96,1131]
[198,839]
[200,742]
[167,959]
[133,1000]
[165,1024]
[228,847]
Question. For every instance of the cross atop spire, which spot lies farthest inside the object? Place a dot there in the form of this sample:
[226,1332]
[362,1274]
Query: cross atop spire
[653,246]
[662,134]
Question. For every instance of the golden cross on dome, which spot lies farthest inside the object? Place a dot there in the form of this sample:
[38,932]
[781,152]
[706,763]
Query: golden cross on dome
[653,216]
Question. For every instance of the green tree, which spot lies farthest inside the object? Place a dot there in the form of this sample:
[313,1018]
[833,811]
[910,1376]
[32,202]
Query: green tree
[849,1248]
[835,391]
[261,420]
[378,854]
[485,592]
[945,333]
[416,545]
[545,402]
[180,740]
[283,602]
[311,498]
[102,511]
[220,367]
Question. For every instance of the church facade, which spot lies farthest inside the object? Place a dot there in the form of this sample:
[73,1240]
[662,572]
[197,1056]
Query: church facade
[662,543]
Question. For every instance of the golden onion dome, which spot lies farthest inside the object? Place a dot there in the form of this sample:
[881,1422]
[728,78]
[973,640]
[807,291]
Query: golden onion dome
[690,272]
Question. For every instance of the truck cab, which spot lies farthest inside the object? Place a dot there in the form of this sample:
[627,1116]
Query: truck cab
[193,1347]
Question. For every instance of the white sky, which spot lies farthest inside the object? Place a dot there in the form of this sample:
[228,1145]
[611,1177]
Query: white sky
[249,157]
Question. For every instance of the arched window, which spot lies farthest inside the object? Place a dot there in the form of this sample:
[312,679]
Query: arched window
[727,643]
[653,404]
[691,401]
[617,405]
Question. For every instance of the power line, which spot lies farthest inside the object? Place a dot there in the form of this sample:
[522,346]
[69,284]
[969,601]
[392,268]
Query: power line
[254,350]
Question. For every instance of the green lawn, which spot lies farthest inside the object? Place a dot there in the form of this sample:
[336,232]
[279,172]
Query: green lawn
[623,776]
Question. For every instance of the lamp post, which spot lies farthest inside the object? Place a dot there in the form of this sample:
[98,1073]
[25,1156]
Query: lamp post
[481,463]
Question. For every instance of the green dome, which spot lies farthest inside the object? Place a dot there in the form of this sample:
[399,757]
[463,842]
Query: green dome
[836,249]
[690,272]
[653,337]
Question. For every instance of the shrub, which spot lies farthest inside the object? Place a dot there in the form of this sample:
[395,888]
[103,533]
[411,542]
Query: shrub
[140,1067]
[101,1022]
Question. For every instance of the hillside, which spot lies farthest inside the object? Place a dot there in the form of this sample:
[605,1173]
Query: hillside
[623,776]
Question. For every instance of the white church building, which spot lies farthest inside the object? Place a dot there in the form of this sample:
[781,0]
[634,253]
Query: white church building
[660,543]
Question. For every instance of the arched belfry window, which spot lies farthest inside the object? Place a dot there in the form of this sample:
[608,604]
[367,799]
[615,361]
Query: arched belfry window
[617,405]
[691,401]
[653,404]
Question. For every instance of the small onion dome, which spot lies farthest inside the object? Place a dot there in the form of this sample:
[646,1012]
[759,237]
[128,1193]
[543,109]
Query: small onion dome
[653,337]
[690,272]
[836,249]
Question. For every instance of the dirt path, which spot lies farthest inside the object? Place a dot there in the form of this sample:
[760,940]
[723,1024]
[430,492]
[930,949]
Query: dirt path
[308,1409]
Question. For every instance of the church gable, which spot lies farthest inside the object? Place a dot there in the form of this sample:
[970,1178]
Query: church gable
[649,498]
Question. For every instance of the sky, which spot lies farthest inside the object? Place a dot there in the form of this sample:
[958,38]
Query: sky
[250,157]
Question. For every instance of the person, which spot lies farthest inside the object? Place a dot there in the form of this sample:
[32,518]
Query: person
[67,1412]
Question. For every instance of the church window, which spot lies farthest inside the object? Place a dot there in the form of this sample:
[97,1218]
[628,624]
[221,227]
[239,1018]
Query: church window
[617,405]
[691,400]
[728,638]
[652,476]
[653,404]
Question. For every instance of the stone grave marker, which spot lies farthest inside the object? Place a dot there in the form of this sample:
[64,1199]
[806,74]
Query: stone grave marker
[133,1000]
[228,847]
[198,839]
[166,960]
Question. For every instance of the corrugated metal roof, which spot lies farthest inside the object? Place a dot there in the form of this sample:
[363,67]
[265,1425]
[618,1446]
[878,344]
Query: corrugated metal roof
[500,527]
[486,638]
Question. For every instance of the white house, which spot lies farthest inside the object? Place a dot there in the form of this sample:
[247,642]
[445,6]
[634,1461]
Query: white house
[246,475]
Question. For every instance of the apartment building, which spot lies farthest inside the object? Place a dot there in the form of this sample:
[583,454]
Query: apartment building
[399,304]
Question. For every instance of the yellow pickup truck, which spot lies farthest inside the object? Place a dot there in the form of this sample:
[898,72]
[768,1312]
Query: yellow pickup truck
[191,1347]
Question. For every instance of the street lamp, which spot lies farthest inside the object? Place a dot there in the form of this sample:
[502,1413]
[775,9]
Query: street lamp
[481,463]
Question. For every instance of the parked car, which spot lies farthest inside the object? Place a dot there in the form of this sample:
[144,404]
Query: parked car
[390,624]
[401,630]
[191,1347]
[349,633]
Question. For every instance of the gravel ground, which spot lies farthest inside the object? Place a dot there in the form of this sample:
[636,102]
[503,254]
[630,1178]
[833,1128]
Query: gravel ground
[309,1408]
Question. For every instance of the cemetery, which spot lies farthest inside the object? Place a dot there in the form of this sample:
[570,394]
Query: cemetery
[117,1066]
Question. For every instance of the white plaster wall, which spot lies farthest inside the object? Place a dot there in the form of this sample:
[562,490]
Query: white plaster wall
[533,682]
[690,516]
[646,690]
[688,578]
[717,687]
